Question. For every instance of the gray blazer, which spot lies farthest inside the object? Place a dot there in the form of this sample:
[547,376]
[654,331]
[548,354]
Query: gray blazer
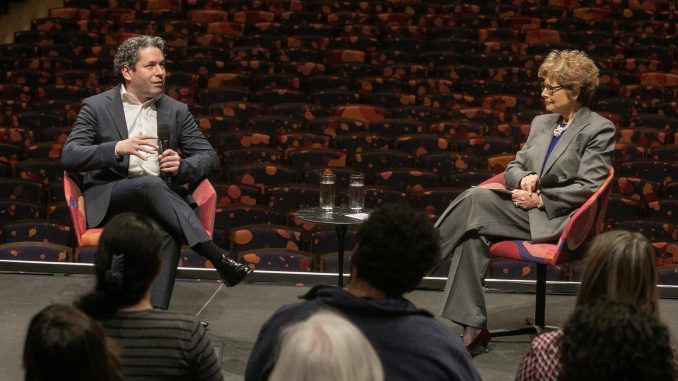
[101,123]
[576,168]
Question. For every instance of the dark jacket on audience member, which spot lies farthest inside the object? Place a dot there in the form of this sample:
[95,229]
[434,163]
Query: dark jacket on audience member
[410,342]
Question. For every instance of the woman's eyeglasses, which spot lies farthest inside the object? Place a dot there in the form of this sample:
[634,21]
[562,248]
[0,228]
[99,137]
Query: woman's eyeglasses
[550,90]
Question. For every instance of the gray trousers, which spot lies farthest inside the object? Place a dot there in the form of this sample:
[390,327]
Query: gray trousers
[150,195]
[474,219]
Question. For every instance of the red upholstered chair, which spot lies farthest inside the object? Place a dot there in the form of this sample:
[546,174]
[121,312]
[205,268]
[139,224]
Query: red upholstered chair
[205,196]
[585,223]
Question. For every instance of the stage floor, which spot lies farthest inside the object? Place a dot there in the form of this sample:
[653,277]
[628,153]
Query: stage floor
[236,314]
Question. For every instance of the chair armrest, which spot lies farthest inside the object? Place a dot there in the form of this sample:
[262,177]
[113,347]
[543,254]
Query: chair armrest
[587,221]
[76,206]
[496,179]
[206,198]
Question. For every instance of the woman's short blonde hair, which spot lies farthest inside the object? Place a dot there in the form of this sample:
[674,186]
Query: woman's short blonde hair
[620,265]
[572,69]
[326,347]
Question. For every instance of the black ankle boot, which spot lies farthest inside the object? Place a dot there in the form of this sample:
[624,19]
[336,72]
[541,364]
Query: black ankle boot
[230,271]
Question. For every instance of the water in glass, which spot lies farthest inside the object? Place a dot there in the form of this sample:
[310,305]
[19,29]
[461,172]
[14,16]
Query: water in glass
[356,192]
[327,192]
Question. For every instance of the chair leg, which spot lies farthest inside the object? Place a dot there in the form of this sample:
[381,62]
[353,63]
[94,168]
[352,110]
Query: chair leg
[536,326]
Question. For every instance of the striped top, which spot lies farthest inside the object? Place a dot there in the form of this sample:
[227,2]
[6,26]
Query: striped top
[162,345]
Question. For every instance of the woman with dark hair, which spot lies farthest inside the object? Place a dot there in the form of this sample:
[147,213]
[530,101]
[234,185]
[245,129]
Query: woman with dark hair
[156,344]
[63,344]
[613,341]
[619,266]
[565,159]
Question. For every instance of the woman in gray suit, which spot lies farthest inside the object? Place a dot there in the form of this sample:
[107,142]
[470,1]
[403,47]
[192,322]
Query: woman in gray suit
[566,159]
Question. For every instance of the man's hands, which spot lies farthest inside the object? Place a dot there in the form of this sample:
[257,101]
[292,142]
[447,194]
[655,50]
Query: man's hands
[169,162]
[530,183]
[525,200]
[141,146]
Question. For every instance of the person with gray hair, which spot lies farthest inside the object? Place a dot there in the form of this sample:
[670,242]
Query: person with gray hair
[326,347]
[127,141]
[566,158]
[397,246]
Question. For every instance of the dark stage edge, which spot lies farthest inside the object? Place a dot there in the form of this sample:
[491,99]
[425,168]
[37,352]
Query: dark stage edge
[236,314]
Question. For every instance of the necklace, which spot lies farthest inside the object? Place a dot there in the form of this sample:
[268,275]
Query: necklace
[560,129]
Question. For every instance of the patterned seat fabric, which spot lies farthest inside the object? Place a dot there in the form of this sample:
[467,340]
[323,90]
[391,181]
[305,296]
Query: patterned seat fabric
[37,231]
[35,251]
[189,258]
[278,260]
[21,189]
[286,198]
[263,174]
[435,200]
[13,210]
[235,156]
[274,125]
[637,189]
[363,113]
[622,209]
[664,210]
[302,140]
[358,142]
[334,126]
[375,161]
[302,159]
[421,144]
[231,216]
[658,171]
[234,194]
[446,163]
[506,269]
[395,127]
[251,237]
[655,231]
[410,180]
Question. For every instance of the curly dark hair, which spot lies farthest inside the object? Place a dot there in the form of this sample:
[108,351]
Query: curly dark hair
[137,239]
[397,246]
[609,340]
[128,52]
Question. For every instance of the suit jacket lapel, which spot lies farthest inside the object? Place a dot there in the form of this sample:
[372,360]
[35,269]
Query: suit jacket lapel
[542,142]
[117,112]
[164,117]
[581,120]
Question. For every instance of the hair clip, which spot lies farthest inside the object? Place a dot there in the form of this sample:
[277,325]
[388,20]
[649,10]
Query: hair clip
[114,275]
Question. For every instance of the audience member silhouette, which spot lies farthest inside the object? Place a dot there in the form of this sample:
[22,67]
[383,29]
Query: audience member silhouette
[396,247]
[612,341]
[156,344]
[620,266]
[63,344]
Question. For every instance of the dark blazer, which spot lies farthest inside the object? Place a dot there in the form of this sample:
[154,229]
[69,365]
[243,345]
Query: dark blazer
[576,168]
[101,123]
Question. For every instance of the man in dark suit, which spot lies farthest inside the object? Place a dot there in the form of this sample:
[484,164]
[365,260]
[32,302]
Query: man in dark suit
[126,140]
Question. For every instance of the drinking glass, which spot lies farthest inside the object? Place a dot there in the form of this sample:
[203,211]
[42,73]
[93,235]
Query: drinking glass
[327,191]
[356,192]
